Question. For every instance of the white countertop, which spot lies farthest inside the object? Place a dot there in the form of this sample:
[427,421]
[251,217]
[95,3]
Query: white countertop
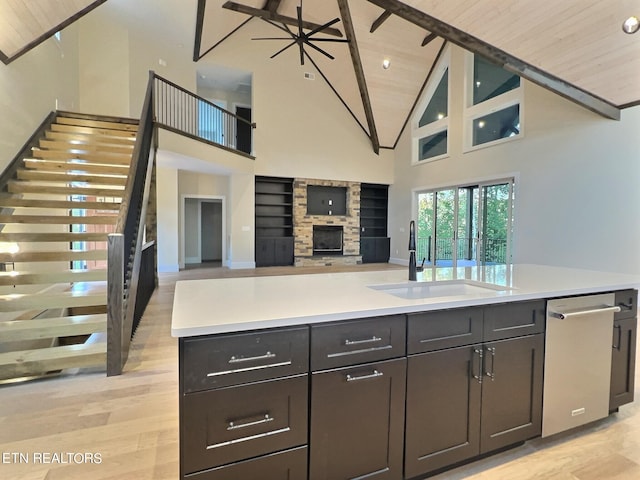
[203,307]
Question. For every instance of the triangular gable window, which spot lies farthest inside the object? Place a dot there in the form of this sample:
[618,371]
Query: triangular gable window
[431,118]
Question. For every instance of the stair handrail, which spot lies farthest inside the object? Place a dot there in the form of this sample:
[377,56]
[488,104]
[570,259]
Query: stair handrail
[26,150]
[124,247]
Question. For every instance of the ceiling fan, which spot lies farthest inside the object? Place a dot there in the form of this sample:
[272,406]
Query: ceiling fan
[302,38]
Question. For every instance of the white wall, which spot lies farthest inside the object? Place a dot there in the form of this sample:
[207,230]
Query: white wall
[30,86]
[167,207]
[577,181]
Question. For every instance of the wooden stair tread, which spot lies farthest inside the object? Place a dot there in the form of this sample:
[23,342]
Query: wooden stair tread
[84,147]
[59,219]
[33,362]
[74,166]
[17,277]
[53,237]
[100,132]
[24,301]
[17,186]
[70,176]
[95,139]
[9,201]
[127,127]
[56,256]
[99,158]
[52,327]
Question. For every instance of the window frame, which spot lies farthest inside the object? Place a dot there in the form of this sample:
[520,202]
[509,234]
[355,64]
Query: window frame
[417,132]
[473,112]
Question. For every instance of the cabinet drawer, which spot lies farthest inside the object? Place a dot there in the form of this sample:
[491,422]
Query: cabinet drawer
[224,360]
[627,300]
[234,423]
[509,320]
[357,341]
[431,331]
[287,465]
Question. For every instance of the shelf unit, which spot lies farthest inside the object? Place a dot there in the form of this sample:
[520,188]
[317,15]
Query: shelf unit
[274,221]
[374,242]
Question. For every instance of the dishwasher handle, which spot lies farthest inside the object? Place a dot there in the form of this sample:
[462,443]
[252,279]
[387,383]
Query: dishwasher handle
[576,313]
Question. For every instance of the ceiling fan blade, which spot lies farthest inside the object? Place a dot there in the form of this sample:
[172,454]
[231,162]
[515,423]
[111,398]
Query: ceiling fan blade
[277,25]
[282,50]
[320,50]
[322,27]
[301,53]
[272,38]
[339,40]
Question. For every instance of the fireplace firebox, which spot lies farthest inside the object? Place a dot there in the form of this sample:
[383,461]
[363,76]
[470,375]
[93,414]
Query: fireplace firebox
[327,240]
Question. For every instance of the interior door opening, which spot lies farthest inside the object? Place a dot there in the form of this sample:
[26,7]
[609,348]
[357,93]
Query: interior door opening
[203,232]
[467,225]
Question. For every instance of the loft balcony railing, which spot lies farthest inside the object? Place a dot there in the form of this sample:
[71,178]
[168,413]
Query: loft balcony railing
[185,113]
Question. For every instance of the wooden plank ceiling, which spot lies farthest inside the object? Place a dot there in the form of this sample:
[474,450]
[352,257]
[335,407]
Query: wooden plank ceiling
[25,24]
[575,48]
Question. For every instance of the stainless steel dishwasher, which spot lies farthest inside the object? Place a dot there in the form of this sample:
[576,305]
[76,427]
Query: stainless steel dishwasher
[577,370]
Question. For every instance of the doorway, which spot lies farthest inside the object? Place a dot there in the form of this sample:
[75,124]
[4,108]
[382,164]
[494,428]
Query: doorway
[243,129]
[203,231]
[466,225]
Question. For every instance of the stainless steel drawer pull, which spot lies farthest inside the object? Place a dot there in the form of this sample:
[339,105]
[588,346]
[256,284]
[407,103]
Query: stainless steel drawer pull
[575,313]
[375,374]
[249,438]
[359,351]
[249,369]
[266,356]
[492,373]
[360,342]
[235,426]
[478,376]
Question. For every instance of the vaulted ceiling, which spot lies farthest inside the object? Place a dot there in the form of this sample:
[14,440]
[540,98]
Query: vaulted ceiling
[27,23]
[575,48]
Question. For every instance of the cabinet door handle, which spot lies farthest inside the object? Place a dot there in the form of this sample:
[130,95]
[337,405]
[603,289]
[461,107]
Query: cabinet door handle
[266,356]
[360,342]
[619,327]
[480,353]
[375,374]
[492,373]
[235,426]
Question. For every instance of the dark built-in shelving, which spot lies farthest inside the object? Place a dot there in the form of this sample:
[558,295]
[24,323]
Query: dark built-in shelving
[274,221]
[374,242]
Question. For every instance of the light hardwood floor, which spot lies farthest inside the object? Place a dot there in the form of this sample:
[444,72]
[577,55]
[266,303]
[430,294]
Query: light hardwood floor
[131,421]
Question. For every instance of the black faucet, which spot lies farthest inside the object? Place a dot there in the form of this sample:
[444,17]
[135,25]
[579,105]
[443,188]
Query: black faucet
[412,251]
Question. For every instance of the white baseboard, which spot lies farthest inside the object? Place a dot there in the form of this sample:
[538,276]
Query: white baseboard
[192,260]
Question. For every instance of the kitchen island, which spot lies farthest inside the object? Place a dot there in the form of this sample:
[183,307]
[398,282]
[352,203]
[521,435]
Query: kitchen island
[348,375]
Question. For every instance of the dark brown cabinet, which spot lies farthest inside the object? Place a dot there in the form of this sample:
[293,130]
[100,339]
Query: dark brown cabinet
[357,422]
[623,359]
[465,398]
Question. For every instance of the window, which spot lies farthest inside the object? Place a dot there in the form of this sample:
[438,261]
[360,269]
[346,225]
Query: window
[494,103]
[466,225]
[431,121]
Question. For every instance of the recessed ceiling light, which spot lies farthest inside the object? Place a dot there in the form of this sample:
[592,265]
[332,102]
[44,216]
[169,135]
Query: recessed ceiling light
[386,63]
[631,25]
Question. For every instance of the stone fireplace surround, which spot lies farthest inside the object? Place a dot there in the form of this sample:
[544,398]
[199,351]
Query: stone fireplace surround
[303,225]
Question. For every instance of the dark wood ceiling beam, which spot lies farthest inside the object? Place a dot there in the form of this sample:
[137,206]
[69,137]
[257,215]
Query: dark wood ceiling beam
[275,17]
[380,20]
[428,39]
[359,71]
[507,61]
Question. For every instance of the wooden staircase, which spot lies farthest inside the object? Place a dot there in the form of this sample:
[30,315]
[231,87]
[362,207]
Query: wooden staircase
[58,209]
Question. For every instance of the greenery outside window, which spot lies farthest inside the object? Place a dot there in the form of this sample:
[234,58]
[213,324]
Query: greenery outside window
[431,118]
[494,99]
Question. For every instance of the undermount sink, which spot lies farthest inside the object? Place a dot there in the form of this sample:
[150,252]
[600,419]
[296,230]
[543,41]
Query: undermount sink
[446,288]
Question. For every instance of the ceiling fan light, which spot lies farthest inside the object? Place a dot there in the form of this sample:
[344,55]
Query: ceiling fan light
[631,25]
